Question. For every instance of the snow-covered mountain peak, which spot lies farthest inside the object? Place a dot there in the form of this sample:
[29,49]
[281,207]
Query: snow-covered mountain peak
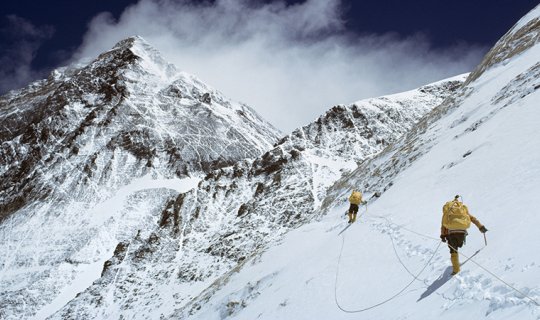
[137,55]
[107,167]
[94,153]
[133,41]
[365,127]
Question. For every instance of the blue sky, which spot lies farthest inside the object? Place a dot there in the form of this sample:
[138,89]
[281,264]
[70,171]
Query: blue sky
[277,53]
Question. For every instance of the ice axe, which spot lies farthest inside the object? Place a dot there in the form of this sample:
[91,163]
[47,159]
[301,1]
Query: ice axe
[485,240]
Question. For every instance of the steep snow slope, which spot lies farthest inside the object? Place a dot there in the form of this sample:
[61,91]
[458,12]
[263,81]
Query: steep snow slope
[483,144]
[207,234]
[92,154]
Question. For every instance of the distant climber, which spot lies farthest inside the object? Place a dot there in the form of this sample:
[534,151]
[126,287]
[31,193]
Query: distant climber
[456,220]
[355,199]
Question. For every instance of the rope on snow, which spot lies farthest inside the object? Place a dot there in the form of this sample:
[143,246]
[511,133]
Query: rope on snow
[415,277]
[382,302]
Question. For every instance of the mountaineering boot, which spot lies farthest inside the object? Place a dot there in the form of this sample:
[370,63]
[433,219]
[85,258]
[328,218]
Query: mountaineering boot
[353,217]
[454,257]
[350,217]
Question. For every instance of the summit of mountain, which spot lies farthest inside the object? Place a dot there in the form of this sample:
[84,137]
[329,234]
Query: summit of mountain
[92,153]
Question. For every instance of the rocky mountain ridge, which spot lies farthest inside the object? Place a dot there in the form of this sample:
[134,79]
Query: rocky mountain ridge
[521,38]
[91,154]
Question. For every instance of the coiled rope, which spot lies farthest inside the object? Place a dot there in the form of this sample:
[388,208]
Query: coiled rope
[384,301]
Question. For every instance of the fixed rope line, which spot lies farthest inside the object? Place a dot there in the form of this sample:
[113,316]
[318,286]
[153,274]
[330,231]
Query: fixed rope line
[363,213]
[395,249]
[394,246]
[417,233]
[406,229]
[469,258]
[382,302]
[415,277]
[497,277]
[401,262]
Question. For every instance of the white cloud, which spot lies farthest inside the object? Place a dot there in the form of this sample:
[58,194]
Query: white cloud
[22,40]
[291,63]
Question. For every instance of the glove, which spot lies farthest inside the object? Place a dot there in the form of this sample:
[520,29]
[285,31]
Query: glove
[483,229]
[443,238]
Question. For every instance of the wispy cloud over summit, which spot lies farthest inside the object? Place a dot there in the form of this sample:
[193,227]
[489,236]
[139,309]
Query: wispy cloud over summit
[290,62]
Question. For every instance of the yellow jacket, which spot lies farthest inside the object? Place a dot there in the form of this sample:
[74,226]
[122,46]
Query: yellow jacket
[448,226]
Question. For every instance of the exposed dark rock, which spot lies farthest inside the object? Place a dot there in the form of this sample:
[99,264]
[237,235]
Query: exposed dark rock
[205,98]
[244,208]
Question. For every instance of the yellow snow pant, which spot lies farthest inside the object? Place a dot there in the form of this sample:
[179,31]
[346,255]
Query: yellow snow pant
[454,257]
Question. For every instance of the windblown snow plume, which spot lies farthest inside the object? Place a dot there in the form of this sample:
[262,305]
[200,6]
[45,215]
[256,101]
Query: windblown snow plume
[281,54]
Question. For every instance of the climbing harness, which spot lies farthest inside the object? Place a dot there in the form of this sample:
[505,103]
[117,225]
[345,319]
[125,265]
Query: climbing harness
[350,224]
[361,214]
